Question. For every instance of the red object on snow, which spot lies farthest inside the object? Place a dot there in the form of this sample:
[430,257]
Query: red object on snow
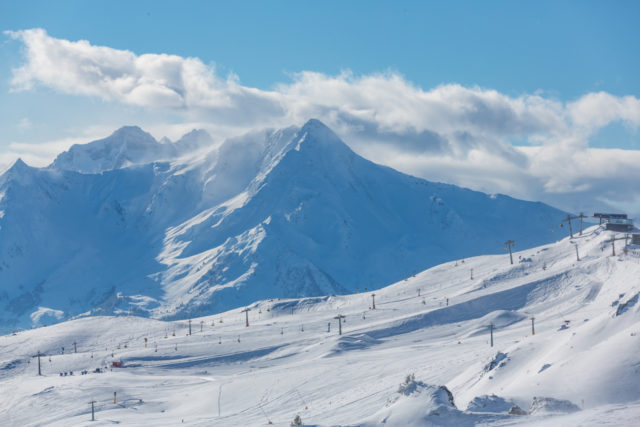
[117,364]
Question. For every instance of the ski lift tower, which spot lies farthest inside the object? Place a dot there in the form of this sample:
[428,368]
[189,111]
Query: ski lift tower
[339,317]
[508,244]
[246,312]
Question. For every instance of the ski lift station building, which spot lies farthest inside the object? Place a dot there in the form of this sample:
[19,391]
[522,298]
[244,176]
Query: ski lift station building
[620,224]
[615,222]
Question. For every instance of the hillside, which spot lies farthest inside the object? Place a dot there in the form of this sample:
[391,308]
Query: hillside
[580,367]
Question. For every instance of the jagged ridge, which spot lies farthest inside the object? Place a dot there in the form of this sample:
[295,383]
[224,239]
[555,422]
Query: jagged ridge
[293,212]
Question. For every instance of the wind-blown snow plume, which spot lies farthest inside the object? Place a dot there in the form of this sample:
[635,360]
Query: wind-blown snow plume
[451,133]
[128,222]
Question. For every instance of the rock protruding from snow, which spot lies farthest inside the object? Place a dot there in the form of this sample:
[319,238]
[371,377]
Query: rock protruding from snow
[499,360]
[622,308]
[551,405]
[439,396]
[490,403]
[516,410]
[297,421]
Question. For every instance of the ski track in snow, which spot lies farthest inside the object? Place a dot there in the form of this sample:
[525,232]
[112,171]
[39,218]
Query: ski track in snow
[584,350]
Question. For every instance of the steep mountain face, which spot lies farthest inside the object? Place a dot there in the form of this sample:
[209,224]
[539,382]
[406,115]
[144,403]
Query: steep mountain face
[275,214]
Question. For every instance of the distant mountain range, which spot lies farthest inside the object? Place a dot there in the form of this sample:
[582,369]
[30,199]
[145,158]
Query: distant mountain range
[172,230]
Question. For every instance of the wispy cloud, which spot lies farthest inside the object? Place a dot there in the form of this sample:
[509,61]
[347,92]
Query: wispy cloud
[451,133]
[39,154]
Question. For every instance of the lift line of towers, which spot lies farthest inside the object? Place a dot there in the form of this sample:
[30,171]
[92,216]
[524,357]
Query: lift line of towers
[621,220]
[342,318]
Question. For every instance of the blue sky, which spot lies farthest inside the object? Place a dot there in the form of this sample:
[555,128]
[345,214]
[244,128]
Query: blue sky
[566,48]
[551,52]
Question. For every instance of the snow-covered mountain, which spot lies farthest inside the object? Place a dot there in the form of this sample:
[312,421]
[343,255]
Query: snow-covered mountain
[127,146]
[128,223]
[192,141]
[423,356]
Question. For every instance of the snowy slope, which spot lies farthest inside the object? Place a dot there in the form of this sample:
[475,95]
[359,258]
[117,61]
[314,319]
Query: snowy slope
[338,222]
[580,367]
[110,227]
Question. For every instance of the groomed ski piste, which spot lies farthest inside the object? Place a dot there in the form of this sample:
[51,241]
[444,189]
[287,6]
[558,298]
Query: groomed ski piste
[423,356]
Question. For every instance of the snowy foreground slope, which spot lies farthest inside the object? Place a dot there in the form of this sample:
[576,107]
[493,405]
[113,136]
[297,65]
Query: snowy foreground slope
[582,366]
[172,230]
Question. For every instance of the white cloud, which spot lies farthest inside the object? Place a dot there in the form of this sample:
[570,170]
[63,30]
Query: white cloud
[596,110]
[448,133]
[39,154]
[151,80]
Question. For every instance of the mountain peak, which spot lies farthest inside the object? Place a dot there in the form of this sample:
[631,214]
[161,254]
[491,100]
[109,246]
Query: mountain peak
[316,129]
[18,168]
[193,140]
[19,165]
[132,137]
[19,172]
[130,131]
[272,214]
[315,134]
[314,124]
[127,145]
[196,133]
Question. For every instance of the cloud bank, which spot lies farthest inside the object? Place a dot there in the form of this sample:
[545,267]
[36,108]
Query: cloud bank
[529,146]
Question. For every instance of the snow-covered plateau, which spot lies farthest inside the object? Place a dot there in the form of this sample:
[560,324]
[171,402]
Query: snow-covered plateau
[171,230]
[422,356]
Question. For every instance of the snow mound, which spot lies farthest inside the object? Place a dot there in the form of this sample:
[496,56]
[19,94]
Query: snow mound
[503,318]
[499,319]
[417,404]
[490,403]
[350,342]
[551,405]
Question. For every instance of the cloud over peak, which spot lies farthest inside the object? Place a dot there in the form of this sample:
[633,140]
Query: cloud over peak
[463,135]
